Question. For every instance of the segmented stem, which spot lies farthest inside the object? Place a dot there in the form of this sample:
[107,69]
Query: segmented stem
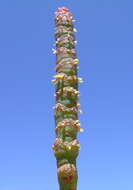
[66,146]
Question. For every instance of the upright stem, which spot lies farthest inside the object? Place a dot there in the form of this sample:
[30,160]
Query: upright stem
[66,146]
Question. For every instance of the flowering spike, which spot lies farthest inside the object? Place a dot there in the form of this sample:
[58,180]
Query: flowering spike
[66,146]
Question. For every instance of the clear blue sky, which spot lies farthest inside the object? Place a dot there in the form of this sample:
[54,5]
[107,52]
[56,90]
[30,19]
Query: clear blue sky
[105,51]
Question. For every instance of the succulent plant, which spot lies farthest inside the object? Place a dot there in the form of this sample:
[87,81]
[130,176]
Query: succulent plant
[66,146]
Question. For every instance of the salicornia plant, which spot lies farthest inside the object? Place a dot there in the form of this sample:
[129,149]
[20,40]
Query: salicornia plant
[66,146]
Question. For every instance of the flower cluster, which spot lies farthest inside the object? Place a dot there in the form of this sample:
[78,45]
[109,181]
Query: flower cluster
[66,146]
[63,50]
[67,173]
[69,122]
[65,65]
[66,37]
[61,108]
[65,30]
[70,90]
[71,79]
[58,143]
[59,77]
[73,145]
[68,63]
[67,91]
[63,15]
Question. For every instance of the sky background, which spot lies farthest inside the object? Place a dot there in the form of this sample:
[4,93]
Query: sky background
[105,51]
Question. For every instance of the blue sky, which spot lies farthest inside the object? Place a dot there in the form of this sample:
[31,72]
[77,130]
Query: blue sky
[105,51]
